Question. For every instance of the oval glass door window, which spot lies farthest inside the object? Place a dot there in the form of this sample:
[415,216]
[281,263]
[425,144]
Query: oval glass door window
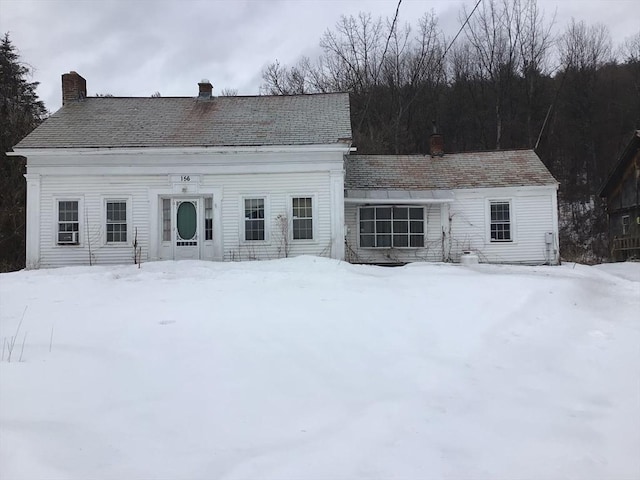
[187,221]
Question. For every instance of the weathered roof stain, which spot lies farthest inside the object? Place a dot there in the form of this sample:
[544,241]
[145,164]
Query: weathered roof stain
[508,168]
[111,122]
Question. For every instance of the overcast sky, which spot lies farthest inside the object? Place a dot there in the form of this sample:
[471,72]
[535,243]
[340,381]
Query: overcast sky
[138,47]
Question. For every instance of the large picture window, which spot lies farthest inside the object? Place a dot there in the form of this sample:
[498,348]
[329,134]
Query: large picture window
[500,221]
[116,221]
[302,218]
[68,223]
[391,227]
[254,219]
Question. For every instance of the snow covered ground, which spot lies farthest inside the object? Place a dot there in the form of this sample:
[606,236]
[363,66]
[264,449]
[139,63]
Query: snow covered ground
[309,368]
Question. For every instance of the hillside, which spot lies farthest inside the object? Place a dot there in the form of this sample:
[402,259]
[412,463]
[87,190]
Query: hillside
[309,368]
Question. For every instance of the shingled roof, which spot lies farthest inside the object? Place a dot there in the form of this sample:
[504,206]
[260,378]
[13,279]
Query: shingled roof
[510,168]
[111,122]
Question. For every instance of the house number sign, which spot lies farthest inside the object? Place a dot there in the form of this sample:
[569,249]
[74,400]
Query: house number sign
[185,178]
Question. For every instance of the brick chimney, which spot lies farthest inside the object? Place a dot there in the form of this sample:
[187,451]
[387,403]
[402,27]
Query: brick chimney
[205,89]
[74,87]
[436,143]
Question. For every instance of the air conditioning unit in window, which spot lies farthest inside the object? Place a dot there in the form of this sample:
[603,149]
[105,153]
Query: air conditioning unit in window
[67,238]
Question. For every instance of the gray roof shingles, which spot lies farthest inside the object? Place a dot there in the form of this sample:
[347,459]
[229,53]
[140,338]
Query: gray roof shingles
[510,168]
[112,122]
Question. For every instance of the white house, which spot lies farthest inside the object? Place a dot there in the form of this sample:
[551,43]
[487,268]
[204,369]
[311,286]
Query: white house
[114,179]
[215,178]
[500,206]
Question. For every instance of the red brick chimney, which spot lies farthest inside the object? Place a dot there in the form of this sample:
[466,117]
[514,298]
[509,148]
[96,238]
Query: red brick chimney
[74,87]
[436,143]
[205,89]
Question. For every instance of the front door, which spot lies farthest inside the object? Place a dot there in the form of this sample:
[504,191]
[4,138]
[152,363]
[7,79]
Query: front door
[186,233]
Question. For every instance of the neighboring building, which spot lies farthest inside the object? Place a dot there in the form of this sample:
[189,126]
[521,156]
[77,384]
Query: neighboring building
[499,205]
[214,178]
[110,180]
[621,192]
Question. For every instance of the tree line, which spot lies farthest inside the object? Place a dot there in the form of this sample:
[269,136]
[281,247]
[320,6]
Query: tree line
[509,80]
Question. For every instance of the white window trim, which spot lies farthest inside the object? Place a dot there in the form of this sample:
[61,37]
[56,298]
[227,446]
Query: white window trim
[267,219]
[103,219]
[81,232]
[314,218]
[425,214]
[512,221]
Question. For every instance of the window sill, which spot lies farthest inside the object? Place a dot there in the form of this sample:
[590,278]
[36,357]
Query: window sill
[391,248]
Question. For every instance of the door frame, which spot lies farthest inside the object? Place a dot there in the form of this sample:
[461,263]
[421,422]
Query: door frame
[164,250]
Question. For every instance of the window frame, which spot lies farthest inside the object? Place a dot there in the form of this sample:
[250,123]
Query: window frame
[56,221]
[313,218]
[267,219]
[128,212]
[207,229]
[511,222]
[392,220]
[625,226]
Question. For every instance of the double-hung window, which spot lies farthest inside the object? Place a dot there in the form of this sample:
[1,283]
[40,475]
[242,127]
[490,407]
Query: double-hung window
[254,227]
[500,227]
[116,221]
[68,223]
[392,227]
[302,223]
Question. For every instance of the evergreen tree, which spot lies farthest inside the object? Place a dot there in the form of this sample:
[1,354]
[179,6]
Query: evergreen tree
[20,113]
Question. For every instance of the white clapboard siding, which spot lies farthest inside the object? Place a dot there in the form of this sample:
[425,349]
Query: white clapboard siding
[431,252]
[92,192]
[278,189]
[532,214]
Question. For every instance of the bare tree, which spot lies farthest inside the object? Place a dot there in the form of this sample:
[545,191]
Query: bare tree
[585,48]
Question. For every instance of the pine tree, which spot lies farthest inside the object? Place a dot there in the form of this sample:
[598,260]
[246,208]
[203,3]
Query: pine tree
[20,113]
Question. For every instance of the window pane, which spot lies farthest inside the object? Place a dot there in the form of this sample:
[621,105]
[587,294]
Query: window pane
[417,240]
[400,241]
[367,213]
[116,222]
[68,211]
[208,218]
[166,220]
[254,208]
[400,226]
[416,213]
[384,241]
[302,229]
[116,211]
[383,213]
[417,226]
[367,227]
[500,221]
[400,212]
[367,241]
[383,227]
[254,229]
[302,207]
[500,211]
[68,222]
